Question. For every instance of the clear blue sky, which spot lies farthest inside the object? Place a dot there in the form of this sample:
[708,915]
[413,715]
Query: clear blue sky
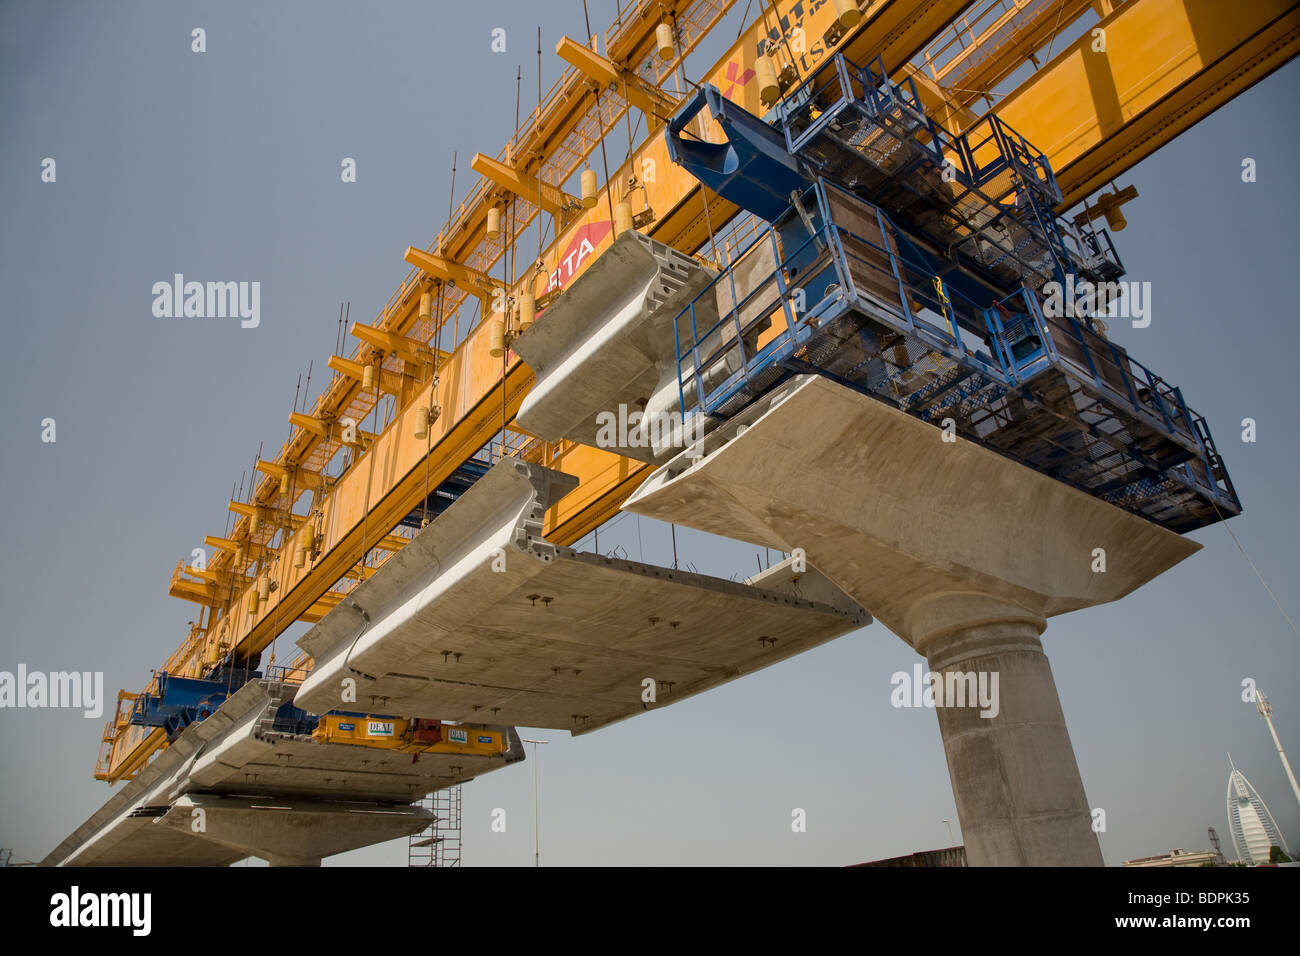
[226,166]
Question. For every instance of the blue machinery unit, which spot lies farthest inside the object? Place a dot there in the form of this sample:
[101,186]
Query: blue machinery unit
[446,494]
[181,701]
[931,272]
[461,480]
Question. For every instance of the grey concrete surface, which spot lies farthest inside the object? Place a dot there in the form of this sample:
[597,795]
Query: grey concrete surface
[292,833]
[614,323]
[283,797]
[484,619]
[896,516]
[1015,779]
[951,546]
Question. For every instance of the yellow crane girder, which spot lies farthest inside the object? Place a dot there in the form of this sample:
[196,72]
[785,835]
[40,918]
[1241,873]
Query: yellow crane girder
[1196,57]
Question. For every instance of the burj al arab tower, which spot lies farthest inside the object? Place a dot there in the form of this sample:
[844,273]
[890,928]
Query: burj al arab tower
[1251,825]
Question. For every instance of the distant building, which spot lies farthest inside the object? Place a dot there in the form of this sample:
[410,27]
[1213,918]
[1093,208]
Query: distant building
[1251,825]
[1177,858]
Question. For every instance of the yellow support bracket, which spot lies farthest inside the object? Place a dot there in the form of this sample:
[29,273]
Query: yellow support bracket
[243,508]
[217,578]
[252,549]
[322,430]
[649,99]
[323,606]
[1108,205]
[551,198]
[309,424]
[388,381]
[276,516]
[393,542]
[407,349]
[444,270]
[307,479]
[206,594]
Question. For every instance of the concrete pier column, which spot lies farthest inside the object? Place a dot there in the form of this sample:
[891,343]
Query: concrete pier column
[961,552]
[1016,782]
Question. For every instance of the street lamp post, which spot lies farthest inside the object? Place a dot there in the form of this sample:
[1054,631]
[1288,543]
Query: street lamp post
[537,857]
[1266,711]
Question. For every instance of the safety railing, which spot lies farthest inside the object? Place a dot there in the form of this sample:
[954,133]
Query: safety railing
[977,36]
[504,444]
[833,252]
[852,122]
[992,148]
[1029,343]
[832,288]
[815,102]
[838,86]
[887,98]
[716,352]
[118,723]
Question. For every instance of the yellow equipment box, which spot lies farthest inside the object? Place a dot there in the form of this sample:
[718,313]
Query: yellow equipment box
[412,736]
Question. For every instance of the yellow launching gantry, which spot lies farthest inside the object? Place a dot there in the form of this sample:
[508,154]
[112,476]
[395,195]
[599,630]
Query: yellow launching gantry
[437,352]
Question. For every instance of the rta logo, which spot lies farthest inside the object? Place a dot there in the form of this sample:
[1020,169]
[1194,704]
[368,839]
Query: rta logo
[580,248]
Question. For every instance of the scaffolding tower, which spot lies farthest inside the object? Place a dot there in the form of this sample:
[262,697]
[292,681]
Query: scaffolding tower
[438,844]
